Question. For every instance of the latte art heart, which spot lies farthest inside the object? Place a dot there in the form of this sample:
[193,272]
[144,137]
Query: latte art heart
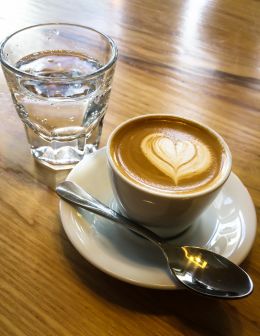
[176,159]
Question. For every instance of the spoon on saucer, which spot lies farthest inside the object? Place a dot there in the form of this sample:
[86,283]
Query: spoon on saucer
[198,269]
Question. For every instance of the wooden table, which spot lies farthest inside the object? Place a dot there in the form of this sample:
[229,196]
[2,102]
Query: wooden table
[193,58]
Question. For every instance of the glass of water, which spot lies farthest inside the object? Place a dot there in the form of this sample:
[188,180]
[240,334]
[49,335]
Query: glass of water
[60,79]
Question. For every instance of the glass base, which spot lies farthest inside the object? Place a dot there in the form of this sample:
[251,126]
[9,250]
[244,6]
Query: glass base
[62,155]
[65,157]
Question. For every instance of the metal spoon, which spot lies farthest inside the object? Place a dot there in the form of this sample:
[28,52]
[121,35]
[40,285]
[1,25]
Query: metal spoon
[200,270]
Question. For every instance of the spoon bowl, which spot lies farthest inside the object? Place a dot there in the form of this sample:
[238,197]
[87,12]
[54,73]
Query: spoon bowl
[198,269]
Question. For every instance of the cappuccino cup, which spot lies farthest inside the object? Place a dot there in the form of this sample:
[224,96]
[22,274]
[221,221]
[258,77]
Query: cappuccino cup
[166,170]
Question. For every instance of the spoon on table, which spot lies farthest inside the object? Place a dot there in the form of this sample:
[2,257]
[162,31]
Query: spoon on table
[200,270]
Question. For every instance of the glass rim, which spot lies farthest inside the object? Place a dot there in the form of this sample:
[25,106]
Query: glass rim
[101,70]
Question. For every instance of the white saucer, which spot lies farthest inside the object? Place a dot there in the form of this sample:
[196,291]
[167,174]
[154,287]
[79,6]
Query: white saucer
[227,227]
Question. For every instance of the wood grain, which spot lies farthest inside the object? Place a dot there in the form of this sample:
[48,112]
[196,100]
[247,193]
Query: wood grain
[197,59]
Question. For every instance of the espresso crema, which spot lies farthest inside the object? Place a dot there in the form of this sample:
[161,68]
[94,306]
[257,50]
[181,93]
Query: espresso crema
[168,154]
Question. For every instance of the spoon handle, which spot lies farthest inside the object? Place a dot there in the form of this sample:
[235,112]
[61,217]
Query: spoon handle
[74,194]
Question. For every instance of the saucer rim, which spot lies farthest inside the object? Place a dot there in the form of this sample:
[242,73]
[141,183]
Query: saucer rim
[174,286]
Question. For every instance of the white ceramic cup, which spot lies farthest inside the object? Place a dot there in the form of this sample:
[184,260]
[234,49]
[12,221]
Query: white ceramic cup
[166,214]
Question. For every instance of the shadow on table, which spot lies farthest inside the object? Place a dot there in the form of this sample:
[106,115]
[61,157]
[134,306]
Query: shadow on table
[181,308]
[49,177]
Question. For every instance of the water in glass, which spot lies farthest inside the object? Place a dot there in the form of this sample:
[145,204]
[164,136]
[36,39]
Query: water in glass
[61,105]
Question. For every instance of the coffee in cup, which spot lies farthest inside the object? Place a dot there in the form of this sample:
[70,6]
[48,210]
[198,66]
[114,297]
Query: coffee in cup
[165,170]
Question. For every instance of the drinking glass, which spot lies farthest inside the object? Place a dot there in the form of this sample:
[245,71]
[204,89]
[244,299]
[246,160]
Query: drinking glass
[60,79]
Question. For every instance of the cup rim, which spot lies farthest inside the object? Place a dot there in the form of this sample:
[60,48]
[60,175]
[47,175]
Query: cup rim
[226,168]
[101,70]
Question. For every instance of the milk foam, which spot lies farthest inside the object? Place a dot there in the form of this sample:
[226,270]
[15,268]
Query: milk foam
[178,159]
